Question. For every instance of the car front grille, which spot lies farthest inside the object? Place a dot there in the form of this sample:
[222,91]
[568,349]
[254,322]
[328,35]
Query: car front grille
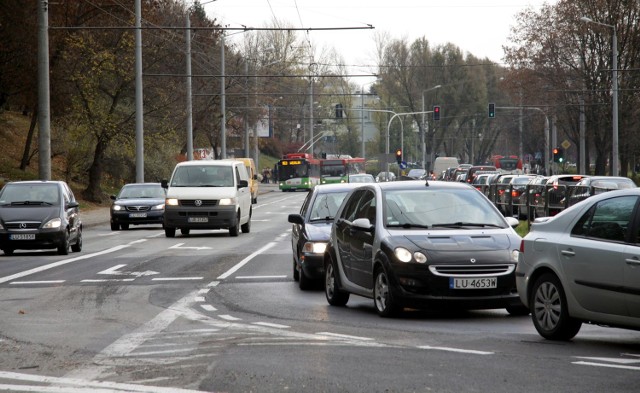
[22,225]
[138,208]
[195,203]
[472,270]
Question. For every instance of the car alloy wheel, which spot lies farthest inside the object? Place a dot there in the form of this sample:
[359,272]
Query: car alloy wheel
[549,310]
[386,305]
[334,295]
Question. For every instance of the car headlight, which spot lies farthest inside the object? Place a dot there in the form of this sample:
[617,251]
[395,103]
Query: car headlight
[158,207]
[117,207]
[403,254]
[53,223]
[314,247]
[171,201]
[514,255]
[228,201]
[419,257]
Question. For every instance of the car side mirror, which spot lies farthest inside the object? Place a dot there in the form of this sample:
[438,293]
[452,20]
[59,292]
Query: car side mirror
[362,224]
[512,221]
[296,219]
[243,184]
[164,183]
[72,205]
[113,197]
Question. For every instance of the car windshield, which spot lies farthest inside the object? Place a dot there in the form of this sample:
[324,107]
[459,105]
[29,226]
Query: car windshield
[129,192]
[361,179]
[203,176]
[439,208]
[325,206]
[30,194]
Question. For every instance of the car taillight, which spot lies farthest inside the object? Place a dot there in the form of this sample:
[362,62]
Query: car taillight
[514,193]
[500,192]
[521,246]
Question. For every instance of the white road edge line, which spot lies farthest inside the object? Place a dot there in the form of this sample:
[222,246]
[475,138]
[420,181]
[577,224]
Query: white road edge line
[345,336]
[36,282]
[273,325]
[62,263]
[607,365]
[460,350]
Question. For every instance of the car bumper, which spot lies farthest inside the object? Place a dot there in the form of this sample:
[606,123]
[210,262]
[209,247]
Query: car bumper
[201,218]
[312,265]
[43,240]
[132,218]
[419,288]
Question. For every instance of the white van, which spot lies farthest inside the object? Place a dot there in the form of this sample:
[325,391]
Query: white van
[440,164]
[208,194]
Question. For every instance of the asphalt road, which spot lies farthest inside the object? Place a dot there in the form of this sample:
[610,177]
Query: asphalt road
[136,311]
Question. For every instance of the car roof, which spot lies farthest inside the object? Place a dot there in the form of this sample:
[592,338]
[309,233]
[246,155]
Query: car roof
[142,184]
[210,163]
[414,184]
[336,187]
[27,182]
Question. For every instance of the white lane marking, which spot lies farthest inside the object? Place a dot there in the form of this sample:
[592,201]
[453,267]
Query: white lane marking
[273,325]
[156,235]
[78,385]
[213,284]
[179,247]
[254,220]
[620,366]
[108,280]
[208,307]
[113,271]
[203,291]
[36,282]
[258,277]
[271,203]
[199,299]
[345,336]
[176,278]
[612,360]
[109,234]
[229,318]
[62,263]
[246,260]
[460,350]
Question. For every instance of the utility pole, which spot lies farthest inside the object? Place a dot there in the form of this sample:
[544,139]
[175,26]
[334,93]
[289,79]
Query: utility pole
[139,98]
[189,95]
[44,119]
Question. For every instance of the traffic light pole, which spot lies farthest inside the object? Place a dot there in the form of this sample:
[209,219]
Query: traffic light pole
[547,148]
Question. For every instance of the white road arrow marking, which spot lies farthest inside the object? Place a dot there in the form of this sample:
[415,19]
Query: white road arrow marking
[179,246]
[113,271]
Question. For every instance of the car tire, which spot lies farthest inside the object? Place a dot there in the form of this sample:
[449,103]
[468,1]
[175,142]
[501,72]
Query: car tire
[518,310]
[115,227]
[386,305]
[170,232]
[124,226]
[234,231]
[185,231]
[304,282]
[335,296]
[296,273]
[549,310]
[246,227]
[63,247]
[77,246]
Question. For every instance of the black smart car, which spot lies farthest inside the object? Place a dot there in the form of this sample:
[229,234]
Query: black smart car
[136,204]
[39,215]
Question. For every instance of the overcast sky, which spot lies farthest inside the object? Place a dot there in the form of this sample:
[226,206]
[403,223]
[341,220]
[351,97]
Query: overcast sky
[479,27]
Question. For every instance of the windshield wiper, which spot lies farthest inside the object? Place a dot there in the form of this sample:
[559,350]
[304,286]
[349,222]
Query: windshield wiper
[16,203]
[327,218]
[407,225]
[465,224]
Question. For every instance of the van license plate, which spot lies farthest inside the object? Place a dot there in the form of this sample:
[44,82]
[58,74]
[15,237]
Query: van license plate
[198,219]
[473,283]
[137,215]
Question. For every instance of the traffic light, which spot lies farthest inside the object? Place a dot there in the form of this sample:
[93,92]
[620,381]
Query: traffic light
[436,112]
[399,156]
[492,110]
[558,154]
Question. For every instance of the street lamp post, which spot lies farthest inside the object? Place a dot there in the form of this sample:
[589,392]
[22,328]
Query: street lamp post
[423,130]
[614,87]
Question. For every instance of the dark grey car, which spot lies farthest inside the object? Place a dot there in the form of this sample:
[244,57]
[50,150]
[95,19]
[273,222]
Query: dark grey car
[137,204]
[422,244]
[39,215]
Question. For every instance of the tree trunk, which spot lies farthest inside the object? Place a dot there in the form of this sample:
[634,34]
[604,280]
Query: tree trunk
[93,192]
[26,154]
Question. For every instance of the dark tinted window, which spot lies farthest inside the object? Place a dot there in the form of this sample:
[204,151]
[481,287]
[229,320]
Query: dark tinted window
[607,220]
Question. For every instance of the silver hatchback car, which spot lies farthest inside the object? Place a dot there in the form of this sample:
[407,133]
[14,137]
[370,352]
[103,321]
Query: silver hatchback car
[583,265]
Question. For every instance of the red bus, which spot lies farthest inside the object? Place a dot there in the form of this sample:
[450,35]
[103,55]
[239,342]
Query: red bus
[508,164]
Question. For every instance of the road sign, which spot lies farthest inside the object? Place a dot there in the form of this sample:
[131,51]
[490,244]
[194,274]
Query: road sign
[403,165]
[565,144]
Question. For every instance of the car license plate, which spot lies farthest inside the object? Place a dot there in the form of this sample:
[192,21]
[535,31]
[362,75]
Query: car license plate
[198,219]
[137,215]
[473,283]
[23,236]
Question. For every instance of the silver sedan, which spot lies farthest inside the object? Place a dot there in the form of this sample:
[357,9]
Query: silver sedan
[583,265]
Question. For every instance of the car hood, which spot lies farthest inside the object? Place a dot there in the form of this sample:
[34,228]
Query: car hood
[202,192]
[318,231]
[462,242]
[28,213]
[139,201]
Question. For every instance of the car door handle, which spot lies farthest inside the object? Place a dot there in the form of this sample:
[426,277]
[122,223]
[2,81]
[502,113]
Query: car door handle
[568,253]
[633,261]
